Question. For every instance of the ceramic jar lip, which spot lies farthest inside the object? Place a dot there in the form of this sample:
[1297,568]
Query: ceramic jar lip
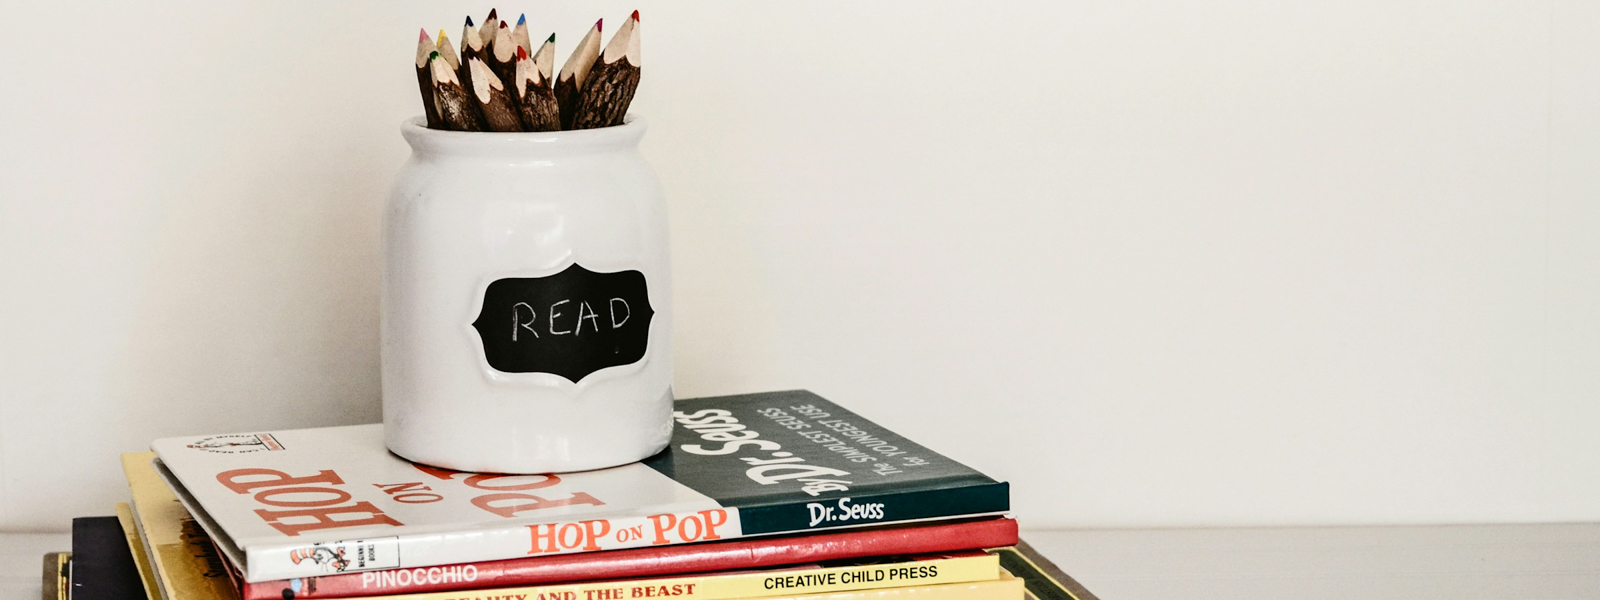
[440,143]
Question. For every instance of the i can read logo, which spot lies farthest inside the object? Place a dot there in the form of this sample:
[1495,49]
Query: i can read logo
[331,558]
[570,324]
[240,443]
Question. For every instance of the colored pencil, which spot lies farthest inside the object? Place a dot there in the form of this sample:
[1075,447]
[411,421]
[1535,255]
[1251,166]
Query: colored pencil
[472,41]
[455,108]
[502,55]
[520,34]
[491,24]
[535,97]
[498,109]
[519,90]
[575,73]
[425,51]
[612,80]
[446,52]
[473,45]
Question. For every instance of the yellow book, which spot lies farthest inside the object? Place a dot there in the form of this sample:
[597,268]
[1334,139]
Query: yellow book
[55,582]
[1042,578]
[186,565]
[764,583]
[147,576]
[1004,588]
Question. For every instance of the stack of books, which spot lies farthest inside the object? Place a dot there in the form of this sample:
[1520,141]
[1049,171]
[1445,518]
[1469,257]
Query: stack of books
[780,495]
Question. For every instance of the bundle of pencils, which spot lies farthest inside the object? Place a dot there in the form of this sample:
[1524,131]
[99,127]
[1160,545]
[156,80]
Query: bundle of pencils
[500,82]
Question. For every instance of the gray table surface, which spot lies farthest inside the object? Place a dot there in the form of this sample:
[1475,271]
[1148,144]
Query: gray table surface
[1460,562]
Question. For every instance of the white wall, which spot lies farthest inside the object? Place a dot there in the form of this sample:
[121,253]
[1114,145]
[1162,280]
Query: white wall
[1156,263]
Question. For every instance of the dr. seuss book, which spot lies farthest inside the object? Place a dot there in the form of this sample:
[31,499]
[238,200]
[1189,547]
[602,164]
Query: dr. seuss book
[288,504]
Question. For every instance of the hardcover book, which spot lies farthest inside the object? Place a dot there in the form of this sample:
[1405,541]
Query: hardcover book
[1006,587]
[56,584]
[831,577]
[185,564]
[299,503]
[130,530]
[1043,579]
[102,566]
[750,553]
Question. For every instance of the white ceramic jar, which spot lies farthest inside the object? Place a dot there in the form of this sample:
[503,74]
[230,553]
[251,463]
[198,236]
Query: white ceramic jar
[526,302]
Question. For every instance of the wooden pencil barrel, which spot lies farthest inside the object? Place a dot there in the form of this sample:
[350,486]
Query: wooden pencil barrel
[526,302]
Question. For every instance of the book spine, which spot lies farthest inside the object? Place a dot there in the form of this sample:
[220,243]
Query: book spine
[290,561]
[876,509]
[650,562]
[265,562]
[1005,588]
[751,584]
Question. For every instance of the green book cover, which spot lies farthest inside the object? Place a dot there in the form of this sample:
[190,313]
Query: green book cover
[793,460]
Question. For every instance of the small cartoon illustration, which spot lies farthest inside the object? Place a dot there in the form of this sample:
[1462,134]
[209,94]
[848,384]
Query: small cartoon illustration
[238,443]
[330,558]
[215,443]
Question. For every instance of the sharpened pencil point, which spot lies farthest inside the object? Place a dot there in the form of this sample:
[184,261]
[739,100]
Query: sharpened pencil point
[522,19]
[469,20]
[522,53]
[423,37]
[433,55]
[636,15]
[493,15]
[503,25]
[552,39]
[597,24]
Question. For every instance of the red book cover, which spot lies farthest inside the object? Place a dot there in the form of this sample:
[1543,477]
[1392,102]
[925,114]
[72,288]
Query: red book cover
[648,562]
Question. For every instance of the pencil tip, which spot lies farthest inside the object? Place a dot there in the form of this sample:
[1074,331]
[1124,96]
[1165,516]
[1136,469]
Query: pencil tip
[441,36]
[493,15]
[433,55]
[522,19]
[597,24]
[522,53]
[423,37]
[469,20]
[552,39]
[636,15]
[503,25]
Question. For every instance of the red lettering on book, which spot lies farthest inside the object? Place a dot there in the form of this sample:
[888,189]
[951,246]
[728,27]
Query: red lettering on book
[699,526]
[322,518]
[593,530]
[435,471]
[495,503]
[714,518]
[482,482]
[265,496]
[555,537]
[230,479]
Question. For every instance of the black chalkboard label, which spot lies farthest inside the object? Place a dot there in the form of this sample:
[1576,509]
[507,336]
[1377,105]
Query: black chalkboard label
[570,324]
